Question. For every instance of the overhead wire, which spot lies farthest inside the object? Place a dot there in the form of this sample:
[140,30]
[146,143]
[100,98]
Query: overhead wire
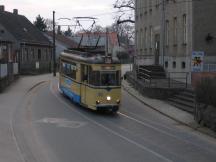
[169,2]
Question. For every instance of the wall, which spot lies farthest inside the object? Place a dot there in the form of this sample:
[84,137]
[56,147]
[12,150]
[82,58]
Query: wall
[197,77]
[30,56]
[146,15]
[204,22]
[146,18]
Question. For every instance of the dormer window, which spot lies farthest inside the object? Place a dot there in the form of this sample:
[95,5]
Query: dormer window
[25,30]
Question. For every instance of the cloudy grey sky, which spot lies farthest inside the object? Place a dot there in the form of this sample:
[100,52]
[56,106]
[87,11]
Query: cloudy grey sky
[102,9]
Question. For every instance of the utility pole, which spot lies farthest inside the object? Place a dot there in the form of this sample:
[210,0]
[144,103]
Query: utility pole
[163,31]
[54,46]
[107,43]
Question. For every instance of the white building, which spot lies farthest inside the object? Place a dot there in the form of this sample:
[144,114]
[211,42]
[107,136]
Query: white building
[169,39]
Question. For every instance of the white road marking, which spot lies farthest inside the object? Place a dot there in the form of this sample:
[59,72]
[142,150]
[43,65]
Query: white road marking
[161,131]
[147,125]
[169,134]
[151,122]
[60,122]
[111,131]
[15,139]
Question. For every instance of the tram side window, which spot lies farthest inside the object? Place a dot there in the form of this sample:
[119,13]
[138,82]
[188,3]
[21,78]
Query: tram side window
[118,76]
[94,77]
[84,73]
[69,70]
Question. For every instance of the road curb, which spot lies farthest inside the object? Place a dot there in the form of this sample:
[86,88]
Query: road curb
[167,115]
[37,84]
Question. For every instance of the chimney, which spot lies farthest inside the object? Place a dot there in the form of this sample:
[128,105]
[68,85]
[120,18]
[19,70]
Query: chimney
[2,8]
[15,11]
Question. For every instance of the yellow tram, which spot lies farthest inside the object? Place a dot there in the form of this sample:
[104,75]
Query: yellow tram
[92,81]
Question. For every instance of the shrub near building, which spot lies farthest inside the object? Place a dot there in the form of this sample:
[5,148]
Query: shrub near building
[206,96]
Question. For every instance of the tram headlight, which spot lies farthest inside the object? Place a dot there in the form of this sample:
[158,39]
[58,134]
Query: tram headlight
[97,102]
[108,98]
[118,101]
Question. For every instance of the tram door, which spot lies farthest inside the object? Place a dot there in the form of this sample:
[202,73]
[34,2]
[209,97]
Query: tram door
[84,81]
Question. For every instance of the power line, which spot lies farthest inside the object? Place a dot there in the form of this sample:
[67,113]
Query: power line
[143,7]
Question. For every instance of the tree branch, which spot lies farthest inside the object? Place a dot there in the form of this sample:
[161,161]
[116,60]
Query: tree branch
[124,21]
[124,6]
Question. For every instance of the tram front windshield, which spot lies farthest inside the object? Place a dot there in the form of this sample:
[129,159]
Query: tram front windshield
[108,79]
[104,78]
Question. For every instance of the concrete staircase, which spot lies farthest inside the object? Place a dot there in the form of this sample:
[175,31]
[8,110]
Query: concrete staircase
[184,100]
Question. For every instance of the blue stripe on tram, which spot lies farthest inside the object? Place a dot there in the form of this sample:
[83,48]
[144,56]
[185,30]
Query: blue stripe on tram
[74,97]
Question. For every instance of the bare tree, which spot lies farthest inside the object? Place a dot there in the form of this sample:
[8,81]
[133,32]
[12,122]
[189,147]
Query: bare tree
[49,24]
[125,19]
[98,29]
[126,10]
[125,32]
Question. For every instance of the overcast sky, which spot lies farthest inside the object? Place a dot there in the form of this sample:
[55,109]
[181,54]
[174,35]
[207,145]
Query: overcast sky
[102,9]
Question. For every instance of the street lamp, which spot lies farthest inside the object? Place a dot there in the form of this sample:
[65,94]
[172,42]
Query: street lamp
[54,46]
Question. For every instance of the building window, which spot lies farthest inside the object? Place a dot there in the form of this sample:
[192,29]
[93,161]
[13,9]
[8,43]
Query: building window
[141,6]
[32,54]
[26,57]
[151,36]
[146,38]
[183,65]
[47,55]
[141,39]
[174,64]
[175,31]
[166,64]
[157,3]
[184,29]
[167,32]
[145,7]
[150,5]
[39,54]
[3,53]
[137,38]
[137,2]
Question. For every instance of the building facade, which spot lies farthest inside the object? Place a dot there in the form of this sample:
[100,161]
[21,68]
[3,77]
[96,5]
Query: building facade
[168,31]
[29,47]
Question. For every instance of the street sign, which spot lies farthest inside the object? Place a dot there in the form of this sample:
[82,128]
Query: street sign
[197,61]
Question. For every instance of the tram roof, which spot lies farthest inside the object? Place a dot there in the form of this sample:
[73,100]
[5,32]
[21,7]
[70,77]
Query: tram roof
[87,57]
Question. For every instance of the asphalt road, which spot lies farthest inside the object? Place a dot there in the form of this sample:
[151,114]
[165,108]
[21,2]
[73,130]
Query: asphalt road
[49,128]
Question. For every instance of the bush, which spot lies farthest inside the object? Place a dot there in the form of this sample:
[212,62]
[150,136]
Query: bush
[206,91]
[209,117]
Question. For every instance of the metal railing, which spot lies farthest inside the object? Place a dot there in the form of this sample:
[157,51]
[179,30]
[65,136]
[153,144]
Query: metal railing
[209,67]
[171,80]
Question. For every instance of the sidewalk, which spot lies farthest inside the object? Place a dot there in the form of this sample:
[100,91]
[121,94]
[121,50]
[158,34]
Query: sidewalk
[167,110]
[10,100]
